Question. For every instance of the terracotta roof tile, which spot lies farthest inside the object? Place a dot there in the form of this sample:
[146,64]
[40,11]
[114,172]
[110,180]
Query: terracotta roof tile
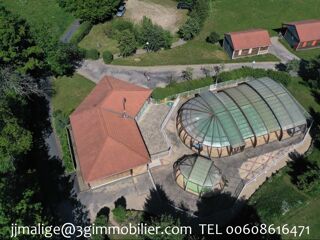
[250,39]
[106,143]
[308,30]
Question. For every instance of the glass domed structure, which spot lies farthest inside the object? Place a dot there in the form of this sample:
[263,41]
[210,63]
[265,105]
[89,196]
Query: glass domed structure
[253,113]
[198,175]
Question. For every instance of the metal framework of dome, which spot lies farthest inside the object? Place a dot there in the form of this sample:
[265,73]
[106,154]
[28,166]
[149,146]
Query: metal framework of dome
[253,113]
[198,175]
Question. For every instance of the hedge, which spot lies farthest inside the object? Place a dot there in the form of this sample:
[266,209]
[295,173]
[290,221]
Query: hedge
[82,31]
[175,88]
[282,77]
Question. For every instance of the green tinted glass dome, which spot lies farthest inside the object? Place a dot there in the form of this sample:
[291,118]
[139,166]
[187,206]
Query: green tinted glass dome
[199,174]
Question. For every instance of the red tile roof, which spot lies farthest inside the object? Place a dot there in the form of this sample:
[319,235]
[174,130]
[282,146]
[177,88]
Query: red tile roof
[250,39]
[105,142]
[308,30]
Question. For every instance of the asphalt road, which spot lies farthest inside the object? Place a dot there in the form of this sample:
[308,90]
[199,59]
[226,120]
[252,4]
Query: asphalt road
[156,76]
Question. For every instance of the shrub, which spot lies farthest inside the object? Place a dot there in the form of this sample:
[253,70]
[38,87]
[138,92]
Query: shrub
[127,43]
[195,21]
[155,35]
[190,29]
[107,57]
[82,31]
[119,214]
[114,29]
[213,37]
[92,54]
[101,221]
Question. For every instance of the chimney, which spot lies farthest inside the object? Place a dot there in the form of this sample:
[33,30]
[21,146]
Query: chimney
[124,114]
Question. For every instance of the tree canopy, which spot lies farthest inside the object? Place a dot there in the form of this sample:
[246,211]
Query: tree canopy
[17,47]
[93,11]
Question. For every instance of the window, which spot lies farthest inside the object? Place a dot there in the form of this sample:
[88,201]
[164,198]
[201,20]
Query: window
[264,48]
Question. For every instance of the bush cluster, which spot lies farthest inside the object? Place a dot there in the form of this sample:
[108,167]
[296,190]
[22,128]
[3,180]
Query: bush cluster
[195,21]
[107,57]
[213,37]
[82,31]
[150,36]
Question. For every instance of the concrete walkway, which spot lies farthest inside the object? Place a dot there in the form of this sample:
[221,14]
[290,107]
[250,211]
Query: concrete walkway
[66,37]
[281,51]
[159,75]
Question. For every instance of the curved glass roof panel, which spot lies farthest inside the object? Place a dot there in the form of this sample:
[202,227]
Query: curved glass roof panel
[262,108]
[250,112]
[238,116]
[274,103]
[293,107]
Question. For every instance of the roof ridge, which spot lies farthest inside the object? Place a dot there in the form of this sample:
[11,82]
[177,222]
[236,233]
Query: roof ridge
[104,144]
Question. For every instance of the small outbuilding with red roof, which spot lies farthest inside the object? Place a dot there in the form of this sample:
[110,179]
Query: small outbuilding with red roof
[246,43]
[106,140]
[303,34]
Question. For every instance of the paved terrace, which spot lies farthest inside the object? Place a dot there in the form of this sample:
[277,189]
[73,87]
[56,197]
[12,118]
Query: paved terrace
[134,189]
[150,127]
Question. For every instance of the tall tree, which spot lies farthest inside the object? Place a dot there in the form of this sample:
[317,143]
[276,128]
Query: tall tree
[17,47]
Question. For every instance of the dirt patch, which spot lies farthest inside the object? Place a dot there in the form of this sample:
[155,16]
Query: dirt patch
[167,17]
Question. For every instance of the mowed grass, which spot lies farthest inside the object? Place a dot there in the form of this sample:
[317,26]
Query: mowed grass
[42,13]
[69,93]
[97,39]
[227,16]
[193,52]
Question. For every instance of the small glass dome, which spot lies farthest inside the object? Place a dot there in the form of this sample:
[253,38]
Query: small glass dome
[198,175]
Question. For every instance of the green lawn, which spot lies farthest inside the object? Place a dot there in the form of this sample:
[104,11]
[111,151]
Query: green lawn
[226,16]
[97,39]
[69,93]
[42,13]
[303,54]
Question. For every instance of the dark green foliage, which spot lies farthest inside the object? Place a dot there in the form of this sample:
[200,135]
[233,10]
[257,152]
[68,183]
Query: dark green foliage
[14,139]
[101,220]
[117,26]
[304,173]
[119,214]
[20,203]
[94,11]
[63,58]
[213,37]
[17,46]
[107,57]
[92,54]
[190,29]
[195,21]
[127,43]
[82,31]
[154,35]
[282,77]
